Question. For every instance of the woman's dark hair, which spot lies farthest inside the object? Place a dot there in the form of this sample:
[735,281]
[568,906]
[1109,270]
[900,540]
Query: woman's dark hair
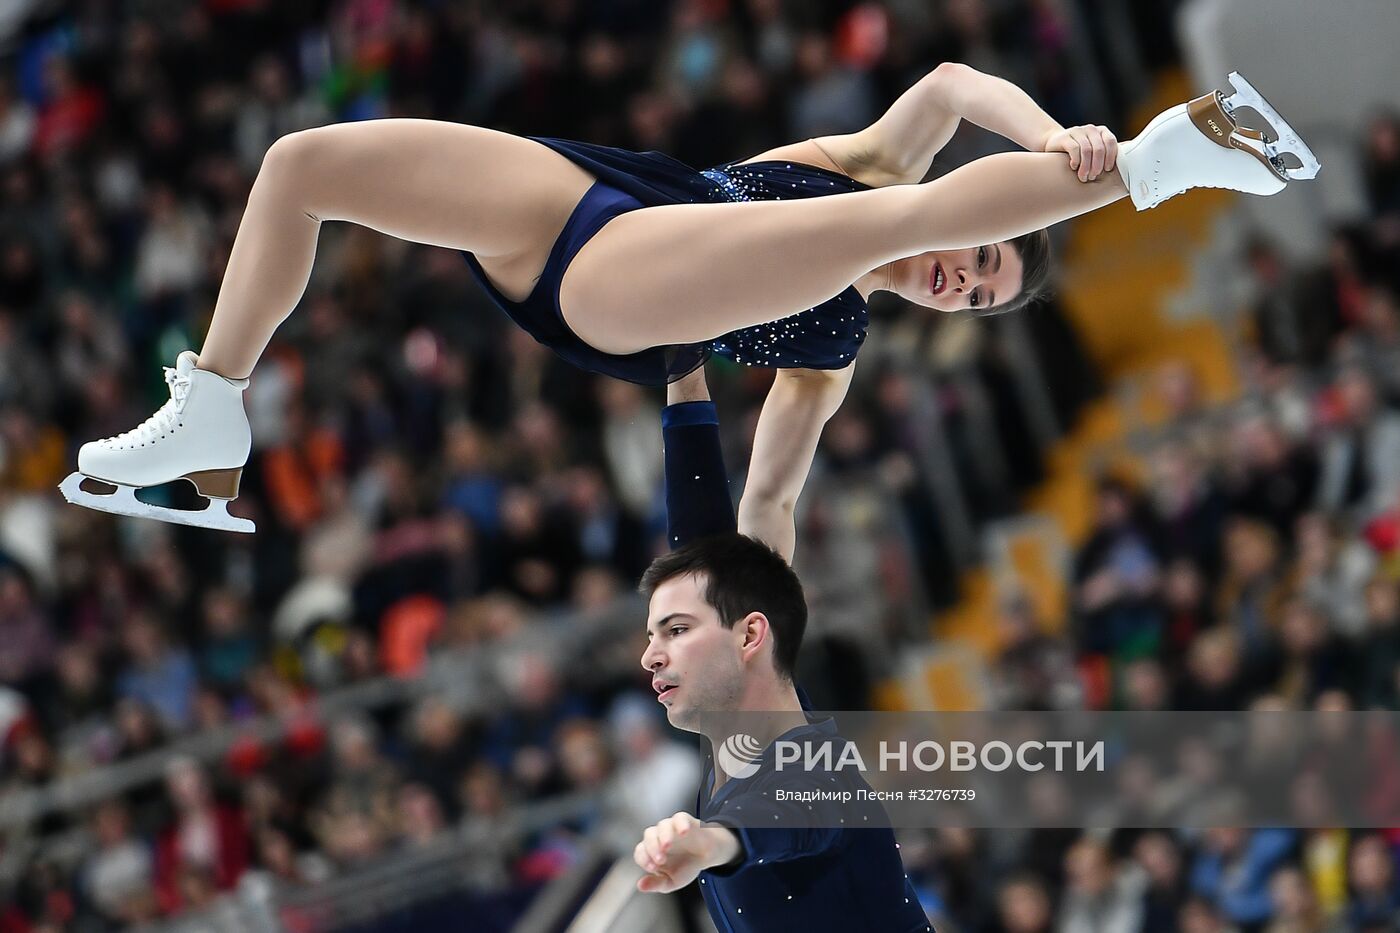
[742,575]
[1034,250]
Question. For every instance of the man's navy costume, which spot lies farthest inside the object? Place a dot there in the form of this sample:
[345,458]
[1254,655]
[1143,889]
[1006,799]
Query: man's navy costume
[808,879]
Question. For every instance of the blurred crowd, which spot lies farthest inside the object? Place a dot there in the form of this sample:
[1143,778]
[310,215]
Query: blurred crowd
[332,797]
[1253,556]
[1249,563]
[425,478]
[1213,881]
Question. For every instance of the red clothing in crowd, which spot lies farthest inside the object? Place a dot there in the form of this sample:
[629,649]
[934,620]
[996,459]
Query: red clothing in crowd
[229,858]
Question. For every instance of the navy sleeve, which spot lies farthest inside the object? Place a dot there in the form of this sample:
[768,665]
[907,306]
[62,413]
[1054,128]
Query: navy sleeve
[766,846]
[697,488]
[807,829]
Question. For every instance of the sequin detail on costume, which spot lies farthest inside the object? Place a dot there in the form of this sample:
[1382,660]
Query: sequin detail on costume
[825,337]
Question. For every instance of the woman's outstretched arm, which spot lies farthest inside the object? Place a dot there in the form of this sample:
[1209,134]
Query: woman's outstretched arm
[924,118]
[794,413]
[697,490]
[899,147]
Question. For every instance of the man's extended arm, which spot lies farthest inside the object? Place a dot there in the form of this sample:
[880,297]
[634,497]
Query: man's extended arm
[697,487]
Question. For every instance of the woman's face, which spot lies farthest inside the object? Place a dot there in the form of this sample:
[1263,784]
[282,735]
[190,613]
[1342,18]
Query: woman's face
[972,279]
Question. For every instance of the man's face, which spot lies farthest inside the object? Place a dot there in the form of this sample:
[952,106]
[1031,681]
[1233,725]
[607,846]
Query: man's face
[696,662]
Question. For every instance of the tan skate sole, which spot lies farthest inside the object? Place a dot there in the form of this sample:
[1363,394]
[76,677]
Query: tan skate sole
[216,484]
[212,484]
[1209,116]
[1213,115]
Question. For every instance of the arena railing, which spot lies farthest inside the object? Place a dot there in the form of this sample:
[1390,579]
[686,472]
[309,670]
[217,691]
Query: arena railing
[466,675]
[463,858]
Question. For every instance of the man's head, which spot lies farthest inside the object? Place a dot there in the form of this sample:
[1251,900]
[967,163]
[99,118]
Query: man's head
[726,613]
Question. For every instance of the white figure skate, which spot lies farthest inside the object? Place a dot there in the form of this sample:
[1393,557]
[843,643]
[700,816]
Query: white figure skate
[1201,145]
[201,435]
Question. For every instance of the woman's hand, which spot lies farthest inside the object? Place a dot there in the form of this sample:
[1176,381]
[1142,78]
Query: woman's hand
[691,388]
[1092,150]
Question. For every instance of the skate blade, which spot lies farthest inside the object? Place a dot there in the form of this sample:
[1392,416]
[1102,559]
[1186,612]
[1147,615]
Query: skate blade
[1288,142]
[124,502]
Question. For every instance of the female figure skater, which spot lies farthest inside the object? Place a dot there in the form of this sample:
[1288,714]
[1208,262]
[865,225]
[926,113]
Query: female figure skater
[636,266]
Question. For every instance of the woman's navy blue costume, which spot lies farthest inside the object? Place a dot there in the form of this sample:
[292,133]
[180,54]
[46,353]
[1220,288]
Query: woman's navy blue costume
[825,337]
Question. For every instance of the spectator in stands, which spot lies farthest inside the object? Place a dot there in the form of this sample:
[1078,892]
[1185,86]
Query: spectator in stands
[1374,904]
[1214,677]
[538,549]
[1382,159]
[655,774]
[119,877]
[1146,687]
[24,631]
[1034,670]
[1023,906]
[230,649]
[585,766]
[1308,659]
[1199,915]
[610,535]
[157,673]
[631,445]
[521,742]
[1374,345]
[1296,314]
[277,865]
[1189,506]
[16,123]
[1159,857]
[363,782]
[1270,479]
[1118,577]
[1331,570]
[443,745]
[1100,897]
[420,818]
[1250,592]
[1233,869]
[1295,905]
[483,792]
[1361,456]
[77,704]
[31,759]
[1187,600]
[204,846]
[1379,652]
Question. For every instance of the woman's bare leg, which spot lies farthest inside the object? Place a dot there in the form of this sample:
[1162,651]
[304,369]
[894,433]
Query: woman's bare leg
[689,272]
[672,274]
[444,184]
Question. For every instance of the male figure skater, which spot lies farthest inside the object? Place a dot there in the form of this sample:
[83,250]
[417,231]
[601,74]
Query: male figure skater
[725,622]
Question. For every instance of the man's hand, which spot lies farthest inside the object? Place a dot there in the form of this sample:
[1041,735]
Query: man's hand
[689,388]
[676,850]
[1092,150]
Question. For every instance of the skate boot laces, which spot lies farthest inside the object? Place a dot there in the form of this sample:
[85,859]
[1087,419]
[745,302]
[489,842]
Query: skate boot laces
[166,417]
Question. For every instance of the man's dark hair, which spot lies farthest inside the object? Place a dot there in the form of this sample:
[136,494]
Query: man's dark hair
[742,575]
